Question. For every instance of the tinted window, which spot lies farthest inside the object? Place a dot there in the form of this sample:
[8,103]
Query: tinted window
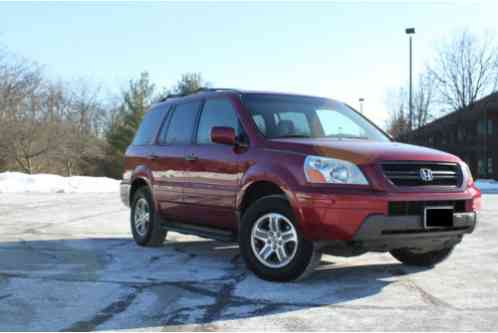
[148,128]
[182,123]
[216,112]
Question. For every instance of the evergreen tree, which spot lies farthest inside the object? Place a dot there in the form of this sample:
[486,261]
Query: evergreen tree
[136,100]
[188,84]
[138,97]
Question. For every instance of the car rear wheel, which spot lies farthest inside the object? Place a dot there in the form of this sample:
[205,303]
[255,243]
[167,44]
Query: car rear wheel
[271,243]
[145,223]
[424,259]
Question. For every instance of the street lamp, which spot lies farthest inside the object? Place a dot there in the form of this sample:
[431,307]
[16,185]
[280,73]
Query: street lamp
[410,32]
[361,100]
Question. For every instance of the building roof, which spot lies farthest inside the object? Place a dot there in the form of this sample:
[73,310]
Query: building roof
[488,103]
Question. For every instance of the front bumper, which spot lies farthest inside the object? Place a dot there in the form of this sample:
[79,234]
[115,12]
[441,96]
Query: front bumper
[381,233]
[352,215]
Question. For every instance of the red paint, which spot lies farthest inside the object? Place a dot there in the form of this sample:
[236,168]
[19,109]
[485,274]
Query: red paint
[210,189]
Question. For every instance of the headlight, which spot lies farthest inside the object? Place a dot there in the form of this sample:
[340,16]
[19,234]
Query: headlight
[329,170]
[467,173]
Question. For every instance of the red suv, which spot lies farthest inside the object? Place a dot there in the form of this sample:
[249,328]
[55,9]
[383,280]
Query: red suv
[291,177]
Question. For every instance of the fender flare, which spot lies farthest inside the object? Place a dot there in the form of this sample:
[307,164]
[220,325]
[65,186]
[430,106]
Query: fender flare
[275,174]
[142,173]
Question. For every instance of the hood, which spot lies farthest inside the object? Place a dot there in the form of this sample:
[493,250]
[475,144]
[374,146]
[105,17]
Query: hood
[361,151]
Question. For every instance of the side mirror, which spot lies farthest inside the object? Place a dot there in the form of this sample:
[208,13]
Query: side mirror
[224,135]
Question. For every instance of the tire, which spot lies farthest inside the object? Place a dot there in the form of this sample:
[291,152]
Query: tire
[153,234]
[423,259]
[256,233]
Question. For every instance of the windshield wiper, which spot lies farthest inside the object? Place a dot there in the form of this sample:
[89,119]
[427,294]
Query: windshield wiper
[291,136]
[345,136]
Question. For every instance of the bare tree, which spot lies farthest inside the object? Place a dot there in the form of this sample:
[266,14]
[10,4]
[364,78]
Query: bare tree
[423,111]
[77,128]
[465,69]
[398,123]
[423,100]
[23,138]
[44,125]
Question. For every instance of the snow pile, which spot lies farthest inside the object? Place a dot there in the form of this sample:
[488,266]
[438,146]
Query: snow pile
[487,185]
[16,182]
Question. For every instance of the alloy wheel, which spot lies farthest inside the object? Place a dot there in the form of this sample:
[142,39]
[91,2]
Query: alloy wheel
[274,240]
[142,217]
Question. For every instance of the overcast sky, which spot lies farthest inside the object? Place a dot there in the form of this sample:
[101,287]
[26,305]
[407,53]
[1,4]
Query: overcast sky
[339,50]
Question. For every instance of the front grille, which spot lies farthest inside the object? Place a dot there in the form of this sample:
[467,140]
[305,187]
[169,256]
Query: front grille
[405,208]
[412,174]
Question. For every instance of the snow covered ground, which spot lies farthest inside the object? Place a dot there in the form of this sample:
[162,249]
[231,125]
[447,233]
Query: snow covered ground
[16,182]
[68,263]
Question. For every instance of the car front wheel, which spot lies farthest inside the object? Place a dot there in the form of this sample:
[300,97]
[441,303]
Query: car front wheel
[424,259]
[271,243]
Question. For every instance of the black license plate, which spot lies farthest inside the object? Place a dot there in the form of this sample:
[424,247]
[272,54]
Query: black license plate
[438,217]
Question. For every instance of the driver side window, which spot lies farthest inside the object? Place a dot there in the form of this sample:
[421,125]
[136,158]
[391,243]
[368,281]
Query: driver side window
[216,112]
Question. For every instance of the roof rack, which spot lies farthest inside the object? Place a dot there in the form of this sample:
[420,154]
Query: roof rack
[215,89]
[202,89]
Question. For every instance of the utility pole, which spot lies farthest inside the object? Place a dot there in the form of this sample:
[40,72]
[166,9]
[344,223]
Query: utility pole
[361,100]
[410,32]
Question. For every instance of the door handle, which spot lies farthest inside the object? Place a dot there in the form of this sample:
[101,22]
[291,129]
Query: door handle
[153,157]
[190,157]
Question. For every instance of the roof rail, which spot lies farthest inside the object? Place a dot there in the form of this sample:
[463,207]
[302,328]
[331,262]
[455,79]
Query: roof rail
[163,99]
[202,89]
[214,89]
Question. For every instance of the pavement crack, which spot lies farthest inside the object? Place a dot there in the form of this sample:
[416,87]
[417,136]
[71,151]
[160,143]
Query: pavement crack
[225,295]
[104,315]
[180,316]
[42,251]
[426,296]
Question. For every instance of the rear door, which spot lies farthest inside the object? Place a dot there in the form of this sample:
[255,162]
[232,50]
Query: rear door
[138,160]
[169,159]
[213,172]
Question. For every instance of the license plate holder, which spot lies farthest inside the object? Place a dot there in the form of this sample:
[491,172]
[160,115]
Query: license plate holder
[438,217]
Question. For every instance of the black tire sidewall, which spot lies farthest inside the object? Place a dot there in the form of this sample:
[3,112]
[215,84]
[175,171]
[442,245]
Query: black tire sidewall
[303,256]
[424,259]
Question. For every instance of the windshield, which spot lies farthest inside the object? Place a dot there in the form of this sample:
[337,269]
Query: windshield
[278,116]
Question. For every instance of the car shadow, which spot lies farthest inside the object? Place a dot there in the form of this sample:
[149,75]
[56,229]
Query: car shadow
[111,283]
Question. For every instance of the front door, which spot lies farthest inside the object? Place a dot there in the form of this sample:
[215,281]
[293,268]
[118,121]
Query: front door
[213,170]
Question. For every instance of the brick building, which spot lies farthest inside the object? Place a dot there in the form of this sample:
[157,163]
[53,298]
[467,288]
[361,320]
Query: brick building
[470,133]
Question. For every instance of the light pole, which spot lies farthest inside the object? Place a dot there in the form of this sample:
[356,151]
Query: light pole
[361,100]
[410,32]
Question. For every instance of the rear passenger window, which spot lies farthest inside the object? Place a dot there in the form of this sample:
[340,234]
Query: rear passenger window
[182,123]
[149,126]
[216,112]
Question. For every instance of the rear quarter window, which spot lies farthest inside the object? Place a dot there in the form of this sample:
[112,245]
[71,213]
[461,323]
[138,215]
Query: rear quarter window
[149,126]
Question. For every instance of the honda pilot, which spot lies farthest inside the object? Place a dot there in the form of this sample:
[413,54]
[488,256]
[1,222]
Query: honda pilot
[291,177]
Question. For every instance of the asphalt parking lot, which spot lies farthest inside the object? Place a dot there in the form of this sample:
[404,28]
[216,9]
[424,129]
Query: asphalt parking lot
[67,262]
